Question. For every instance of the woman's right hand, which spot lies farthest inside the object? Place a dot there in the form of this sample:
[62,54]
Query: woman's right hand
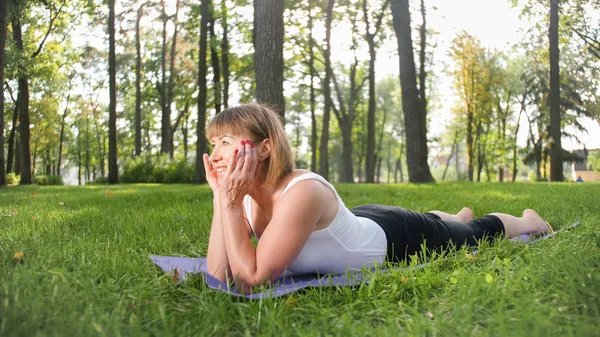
[211,174]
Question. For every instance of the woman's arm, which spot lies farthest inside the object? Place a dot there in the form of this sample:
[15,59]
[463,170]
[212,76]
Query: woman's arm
[216,256]
[294,219]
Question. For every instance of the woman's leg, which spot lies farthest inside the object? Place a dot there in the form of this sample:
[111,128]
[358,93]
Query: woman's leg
[464,215]
[529,223]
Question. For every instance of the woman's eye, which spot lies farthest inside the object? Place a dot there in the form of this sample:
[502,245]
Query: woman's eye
[225,142]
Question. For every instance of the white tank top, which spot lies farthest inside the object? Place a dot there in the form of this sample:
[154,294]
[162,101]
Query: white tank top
[349,242]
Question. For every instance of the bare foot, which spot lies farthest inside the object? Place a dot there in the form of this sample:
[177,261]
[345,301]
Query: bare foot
[465,215]
[535,224]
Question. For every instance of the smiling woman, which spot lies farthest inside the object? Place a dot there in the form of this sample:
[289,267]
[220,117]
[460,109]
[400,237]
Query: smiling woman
[300,221]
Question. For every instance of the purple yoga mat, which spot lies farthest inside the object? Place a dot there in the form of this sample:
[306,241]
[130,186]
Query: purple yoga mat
[288,283]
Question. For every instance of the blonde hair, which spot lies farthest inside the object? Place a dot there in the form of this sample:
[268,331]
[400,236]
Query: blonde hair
[261,123]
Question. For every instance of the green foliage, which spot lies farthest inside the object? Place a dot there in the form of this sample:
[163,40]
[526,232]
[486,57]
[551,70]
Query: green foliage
[46,180]
[152,169]
[12,179]
[85,269]
[594,161]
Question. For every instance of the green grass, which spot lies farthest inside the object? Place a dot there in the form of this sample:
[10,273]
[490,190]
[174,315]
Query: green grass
[86,271]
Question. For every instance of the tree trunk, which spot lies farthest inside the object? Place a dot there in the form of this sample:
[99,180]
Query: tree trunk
[138,83]
[324,146]
[201,145]
[87,149]
[22,102]
[10,160]
[101,145]
[214,58]
[314,137]
[113,169]
[450,156]
[167,84]
[514,175]
[347,175]
[268,53]
[556,165]
[225,54]
[414,119]
[3,10]
[422,72]
[62,135]
[370,163]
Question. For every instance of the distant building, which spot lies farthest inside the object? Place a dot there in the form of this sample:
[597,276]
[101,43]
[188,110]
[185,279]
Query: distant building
[582,169]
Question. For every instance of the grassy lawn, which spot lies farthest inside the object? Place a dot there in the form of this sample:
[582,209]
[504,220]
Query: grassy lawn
[86,271]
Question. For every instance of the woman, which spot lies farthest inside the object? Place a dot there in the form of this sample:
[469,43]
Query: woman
[301,222]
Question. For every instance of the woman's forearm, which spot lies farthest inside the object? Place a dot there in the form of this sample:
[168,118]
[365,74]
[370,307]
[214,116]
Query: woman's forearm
[240,251]
[216,256]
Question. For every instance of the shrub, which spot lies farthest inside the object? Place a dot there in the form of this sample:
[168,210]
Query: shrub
[12,179]
[43,179]
[99,181]
[152,169]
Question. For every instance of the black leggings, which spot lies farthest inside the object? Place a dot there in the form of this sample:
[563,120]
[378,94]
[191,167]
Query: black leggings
[407,230]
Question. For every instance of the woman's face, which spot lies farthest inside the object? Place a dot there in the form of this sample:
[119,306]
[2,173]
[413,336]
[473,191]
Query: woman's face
[224,147]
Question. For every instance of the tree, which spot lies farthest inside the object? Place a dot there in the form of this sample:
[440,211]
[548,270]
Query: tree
[370,37]
[3,10]
[555,115]
[201,145]
[324,146]
[268,53]
[414,118]
[113,169]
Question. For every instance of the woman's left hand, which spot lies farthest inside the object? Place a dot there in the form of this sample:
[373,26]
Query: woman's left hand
[240,173]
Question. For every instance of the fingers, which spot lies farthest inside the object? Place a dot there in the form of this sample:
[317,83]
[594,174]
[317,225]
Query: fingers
[207,165]
[251,160]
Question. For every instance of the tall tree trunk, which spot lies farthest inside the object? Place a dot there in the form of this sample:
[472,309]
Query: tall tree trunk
[113,169]
[62,135]
[347,175]
[3,10]
[87,149]
[167,84]
[138,83]
[101,145]
[414,119]
[268,53]
[422,72]
[18,155]
[201,145]
[457,161]
[450,156]
[556,165]
[470,143]
[370,37]
[22,101]
[314,137]
[10,160]
[515,171]
[324,146]
[225,54]
[214,58]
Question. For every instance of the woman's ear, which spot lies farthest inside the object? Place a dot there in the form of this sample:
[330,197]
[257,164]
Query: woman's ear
[264,149]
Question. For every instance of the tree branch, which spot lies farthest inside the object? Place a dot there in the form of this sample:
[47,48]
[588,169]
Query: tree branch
[51,25]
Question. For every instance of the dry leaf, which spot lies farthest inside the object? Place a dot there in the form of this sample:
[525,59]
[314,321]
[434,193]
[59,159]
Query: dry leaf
[18,256]
[175,276]
[61,203]
[147,301]
[32,218]
[35,194]
[404,279]
[107,193]
[15,212]
[429,314]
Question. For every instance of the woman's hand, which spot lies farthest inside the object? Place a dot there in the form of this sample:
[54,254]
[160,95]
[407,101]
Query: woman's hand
[211,174]
[240,173]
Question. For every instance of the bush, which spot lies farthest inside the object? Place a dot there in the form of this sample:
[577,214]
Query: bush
[43,179]
[99,181]
[12,179]
[149,169]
